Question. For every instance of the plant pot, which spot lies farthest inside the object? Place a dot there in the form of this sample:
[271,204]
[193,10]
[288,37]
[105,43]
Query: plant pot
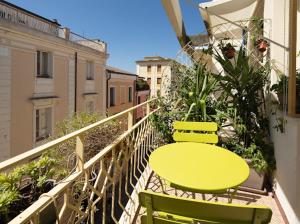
[229,53]
[261,45]
[255,180]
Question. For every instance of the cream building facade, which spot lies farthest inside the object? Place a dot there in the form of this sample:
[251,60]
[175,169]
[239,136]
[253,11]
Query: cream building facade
[156,71]
[47,74]
[120,90]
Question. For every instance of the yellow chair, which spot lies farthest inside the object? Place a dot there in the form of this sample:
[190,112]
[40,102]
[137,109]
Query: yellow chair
[203,132]
[175,210]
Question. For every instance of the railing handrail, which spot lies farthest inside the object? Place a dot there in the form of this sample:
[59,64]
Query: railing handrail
[35,152]
[85,38]
[62,185]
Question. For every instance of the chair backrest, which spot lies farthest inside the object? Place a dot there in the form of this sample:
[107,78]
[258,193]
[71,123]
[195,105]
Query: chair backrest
[211,212]
[203,132]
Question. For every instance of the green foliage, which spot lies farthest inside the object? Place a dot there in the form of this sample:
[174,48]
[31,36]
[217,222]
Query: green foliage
[142,85]
[16,194]
[22,186]
[189,98]
[243,87]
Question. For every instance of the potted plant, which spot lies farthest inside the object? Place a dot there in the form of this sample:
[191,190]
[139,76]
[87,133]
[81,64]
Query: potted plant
[257,34]
[261,45]
[227,49]
[250,138]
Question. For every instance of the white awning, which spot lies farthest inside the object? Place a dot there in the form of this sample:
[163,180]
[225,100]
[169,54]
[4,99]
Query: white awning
[233,10]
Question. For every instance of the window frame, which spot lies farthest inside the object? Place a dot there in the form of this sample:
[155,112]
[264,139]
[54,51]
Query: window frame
[40,73]
[112,100]
[158,81]
[130,93]
[87,107]
[159,70]
[149,67]
[89,70]
[40,138]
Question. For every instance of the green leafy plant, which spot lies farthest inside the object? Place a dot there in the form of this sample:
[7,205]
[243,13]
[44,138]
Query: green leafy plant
[21,187]
[189,98]
[142,85]
[244,86]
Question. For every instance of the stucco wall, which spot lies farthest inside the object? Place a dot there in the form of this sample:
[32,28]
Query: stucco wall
[5,99]
[100,79]
[118,83]
[23,72]
[287,144]
[81,79]
[61,71]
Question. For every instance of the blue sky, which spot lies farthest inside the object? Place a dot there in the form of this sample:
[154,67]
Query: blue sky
[133,28]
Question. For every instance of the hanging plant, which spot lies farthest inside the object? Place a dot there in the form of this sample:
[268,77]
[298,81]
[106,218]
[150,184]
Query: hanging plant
[227,49]
[261,45]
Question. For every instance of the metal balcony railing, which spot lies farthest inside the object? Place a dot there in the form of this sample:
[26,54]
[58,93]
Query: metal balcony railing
[101,190]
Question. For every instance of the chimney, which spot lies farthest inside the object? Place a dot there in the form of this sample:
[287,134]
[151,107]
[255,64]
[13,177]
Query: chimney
[67,33]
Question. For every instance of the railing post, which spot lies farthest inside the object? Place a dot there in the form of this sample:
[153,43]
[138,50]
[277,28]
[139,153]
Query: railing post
[130,119]
[80,152]
[148,108]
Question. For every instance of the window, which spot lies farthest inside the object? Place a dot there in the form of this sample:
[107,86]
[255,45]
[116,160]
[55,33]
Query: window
[89,107]
[43,123]
[44,64]
[149,69]
[139,100]
[158,68]
[89,70]
[158,80]
[149,81]
[112,96]
[130,94]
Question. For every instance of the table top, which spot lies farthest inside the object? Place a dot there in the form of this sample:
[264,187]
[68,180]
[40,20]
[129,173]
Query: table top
[199,167]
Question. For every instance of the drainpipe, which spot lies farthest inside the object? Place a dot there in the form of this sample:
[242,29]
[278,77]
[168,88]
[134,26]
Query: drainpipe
[108,77]
[75,89]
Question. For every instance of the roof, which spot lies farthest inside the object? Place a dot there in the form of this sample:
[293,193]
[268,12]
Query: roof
[154,59]
[118,71]
[54,22]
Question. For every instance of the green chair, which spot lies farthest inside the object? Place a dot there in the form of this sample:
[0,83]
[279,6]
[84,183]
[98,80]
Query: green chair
[177,210]
[203,132]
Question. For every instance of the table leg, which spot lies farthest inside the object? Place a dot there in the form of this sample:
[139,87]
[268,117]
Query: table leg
[231,195]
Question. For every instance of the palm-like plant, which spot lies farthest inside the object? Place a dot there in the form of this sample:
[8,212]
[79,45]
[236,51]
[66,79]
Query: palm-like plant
[243,86]
[202,86]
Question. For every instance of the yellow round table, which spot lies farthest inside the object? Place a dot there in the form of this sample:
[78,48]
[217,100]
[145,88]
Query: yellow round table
[199,167]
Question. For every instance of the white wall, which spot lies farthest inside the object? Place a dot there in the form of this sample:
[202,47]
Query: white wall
[287,144]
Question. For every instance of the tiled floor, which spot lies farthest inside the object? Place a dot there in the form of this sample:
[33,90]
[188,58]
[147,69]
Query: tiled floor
[241,197]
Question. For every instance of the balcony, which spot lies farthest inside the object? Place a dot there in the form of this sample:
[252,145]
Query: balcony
[103,188]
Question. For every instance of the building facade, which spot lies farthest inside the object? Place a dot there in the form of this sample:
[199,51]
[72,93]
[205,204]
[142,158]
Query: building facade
[120,90]
[156,71]
[47,74]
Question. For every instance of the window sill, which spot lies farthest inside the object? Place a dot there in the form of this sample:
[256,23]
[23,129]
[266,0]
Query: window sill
[44,77]
[90,79]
